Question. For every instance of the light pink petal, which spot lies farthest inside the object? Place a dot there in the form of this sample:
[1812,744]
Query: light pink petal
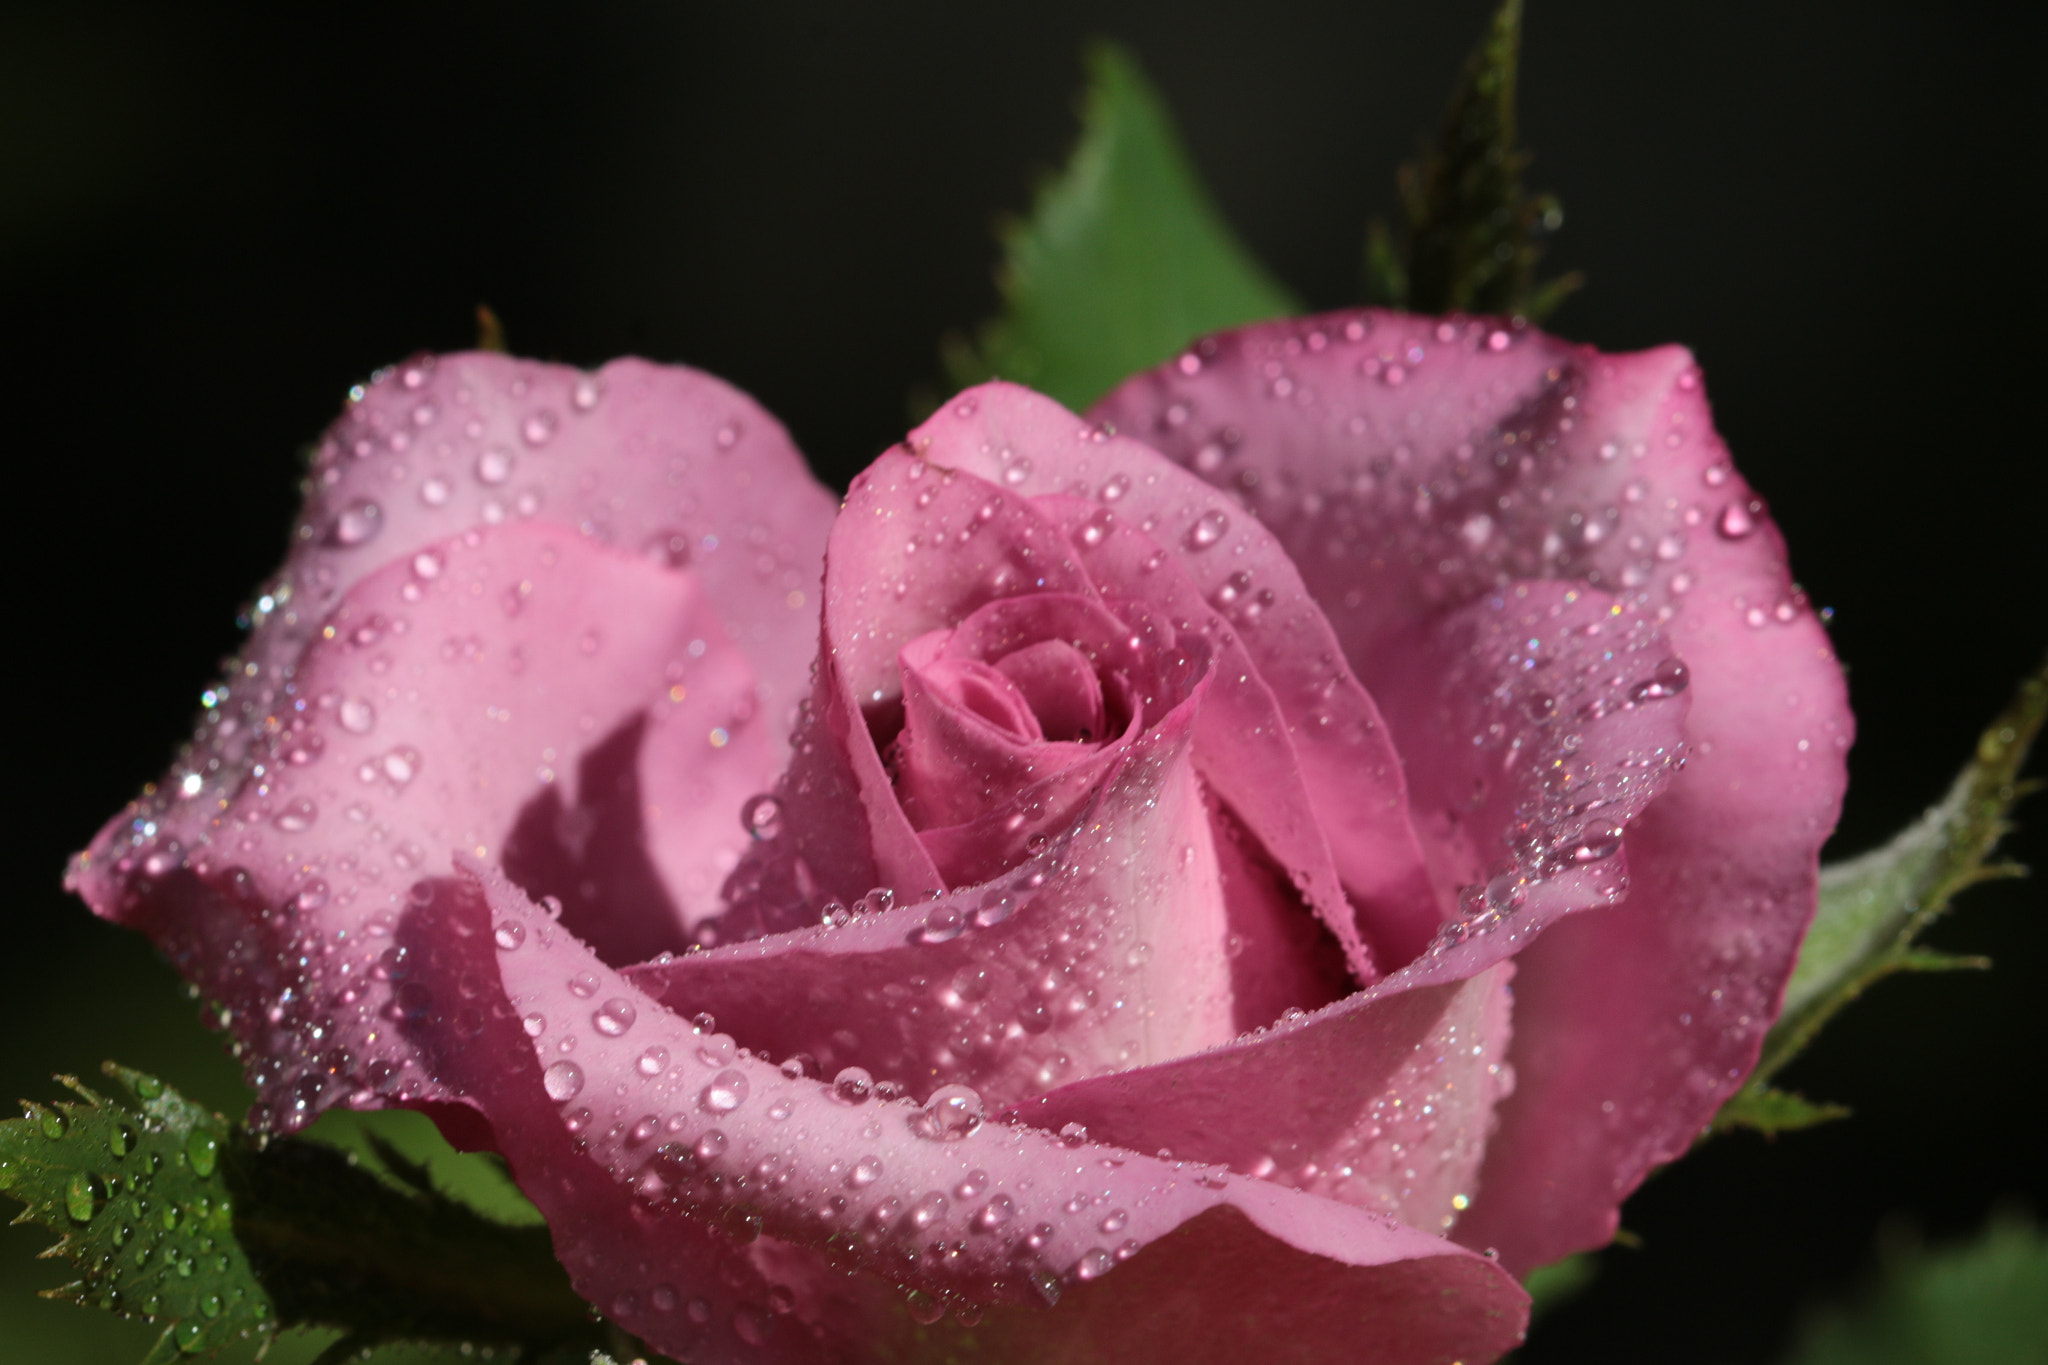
[1384,1099]
[1060,683]
[515,693]
[652,459]
[1107,949]
[689,1132]
[916,550]
[971,741]
[1233,573]
[1411,464]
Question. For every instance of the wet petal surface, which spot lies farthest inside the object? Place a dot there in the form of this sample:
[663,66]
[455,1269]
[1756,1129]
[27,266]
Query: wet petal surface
[1410,465]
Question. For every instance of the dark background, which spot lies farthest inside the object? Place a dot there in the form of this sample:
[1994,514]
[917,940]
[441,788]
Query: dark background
[213,221]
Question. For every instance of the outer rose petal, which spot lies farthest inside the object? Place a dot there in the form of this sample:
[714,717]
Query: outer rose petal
[1409,464]
[458,697]
[1352,812]
[1024,1217]
[647,458]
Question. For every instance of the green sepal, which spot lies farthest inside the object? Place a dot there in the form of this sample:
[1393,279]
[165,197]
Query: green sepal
[172,1214]
[1123,261]
[1873,908]
[1471,237]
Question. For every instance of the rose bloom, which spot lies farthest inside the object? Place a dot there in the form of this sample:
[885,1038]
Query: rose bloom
[1249,873]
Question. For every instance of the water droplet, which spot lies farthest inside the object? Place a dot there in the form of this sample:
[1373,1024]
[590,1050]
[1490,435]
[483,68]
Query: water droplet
[509,934]
[711,1146]
[1736,521]
[434,491]
[1670,678]
[762,816]
[865,1172]
[1208,529]
[1094,1263]
[1073,1134]
[727,1092]
[952,1112]
[563,1081]
[202,1149]
[923,1308]
[1114,487]
[494,466]
[993,1214]
[613,1017]
[1596,844]
[583,985]
[78,1199]
[535,1024]
[941,926]
[1017,471]
[357,716]
[358,523]
[297,816]
[1096,529]
[583,397]
[538,428]
[853,1086]
[652,1062]
[1115,1220]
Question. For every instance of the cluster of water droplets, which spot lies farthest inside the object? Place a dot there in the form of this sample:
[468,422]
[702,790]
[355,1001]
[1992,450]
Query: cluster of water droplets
[1453,504]
[920,1188]
[165,1243]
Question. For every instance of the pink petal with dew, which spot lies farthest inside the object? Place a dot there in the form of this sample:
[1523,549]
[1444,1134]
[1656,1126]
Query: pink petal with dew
[1240,576]
[916,550]
[515,693]
[1102,951]
[1411,464]
[807,1181]
[651,459]
[1383,1100]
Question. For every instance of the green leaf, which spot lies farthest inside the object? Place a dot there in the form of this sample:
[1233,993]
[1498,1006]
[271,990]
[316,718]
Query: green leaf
[1471,237]
[1987,1301]
[1123,261]
[141,1197]
[1770,1111]
[172,1214]
[1560,1282]
[1874,908]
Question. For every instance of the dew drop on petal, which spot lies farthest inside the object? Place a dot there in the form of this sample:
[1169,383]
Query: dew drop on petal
[853,1086]
[1208,529]
[563,1081]
[613,1017]
[1735,522]
[727,1092]
[952,1112]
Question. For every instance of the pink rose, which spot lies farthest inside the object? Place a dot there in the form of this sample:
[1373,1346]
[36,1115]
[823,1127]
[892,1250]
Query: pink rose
[1228,888]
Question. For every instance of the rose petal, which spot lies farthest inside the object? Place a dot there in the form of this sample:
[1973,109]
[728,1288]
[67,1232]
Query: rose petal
[916,549]
[1409,464]
[1024,1216]
[1384,1099]
[1348,774]
[1105,950]
[953,764]
[519,699]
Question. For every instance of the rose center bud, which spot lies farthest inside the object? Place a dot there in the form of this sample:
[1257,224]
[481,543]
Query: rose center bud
[1009,720]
